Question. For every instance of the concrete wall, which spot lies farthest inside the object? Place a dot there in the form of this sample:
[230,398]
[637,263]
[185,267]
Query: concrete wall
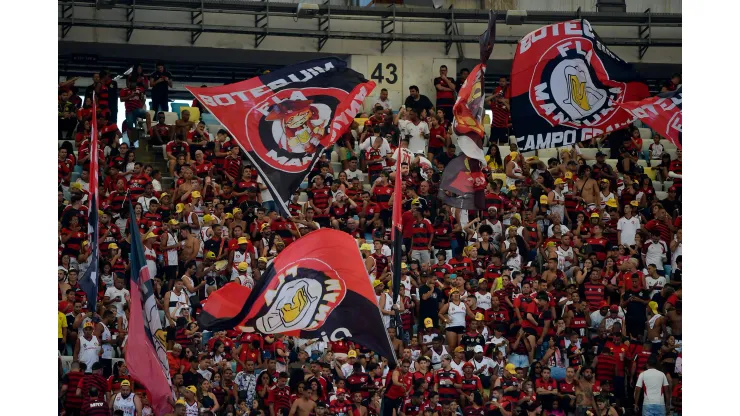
[638,6]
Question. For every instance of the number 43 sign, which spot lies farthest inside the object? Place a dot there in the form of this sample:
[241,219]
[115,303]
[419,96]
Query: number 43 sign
[386,71]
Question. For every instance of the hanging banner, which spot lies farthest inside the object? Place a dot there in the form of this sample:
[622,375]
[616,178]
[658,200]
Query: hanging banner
[284,119]
[663,113]
[567,87]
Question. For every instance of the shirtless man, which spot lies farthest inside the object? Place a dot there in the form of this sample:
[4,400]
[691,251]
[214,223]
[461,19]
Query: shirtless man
[397,343]
[584,390]
[587,190]
[358,408]
[190,245]
[674,317]
[655,327]
[303,405]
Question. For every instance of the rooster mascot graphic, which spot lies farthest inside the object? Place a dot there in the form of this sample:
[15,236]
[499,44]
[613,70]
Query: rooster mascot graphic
[302,125]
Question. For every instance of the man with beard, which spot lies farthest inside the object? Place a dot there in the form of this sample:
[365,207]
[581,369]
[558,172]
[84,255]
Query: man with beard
[95,405]
[585,388]
[126,401]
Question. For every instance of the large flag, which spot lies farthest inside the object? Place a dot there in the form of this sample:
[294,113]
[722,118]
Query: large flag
[316,288]
[663,113]
[468,121]
[89,281]
[146,352]
[567,87]
[457,186]
[397,229]
[285,119]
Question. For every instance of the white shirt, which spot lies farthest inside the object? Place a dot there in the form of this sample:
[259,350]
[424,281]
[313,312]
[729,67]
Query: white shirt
[628,228]
[156,185]
[563,229]
[385,148]
[650,281]
[418,141]
[564,264]
[112,292]
[652,382]
[385,104]
[351,175]
[656,253]
[266,196]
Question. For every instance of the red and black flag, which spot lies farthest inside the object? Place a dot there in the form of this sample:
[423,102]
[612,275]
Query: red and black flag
[663,113]
[457,186]
[284,119]
[316,288]
[567,87]
[397,229]
[467,124]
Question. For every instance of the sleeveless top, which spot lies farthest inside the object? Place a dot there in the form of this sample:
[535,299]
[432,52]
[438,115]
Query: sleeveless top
[89,352]
[238,258]
[483,300]
[107,348]
[177,302]
[192,409]
[170,256]
[457,314]
[517,171]
[436,359]
[125,404]
[388,305]
[151,260]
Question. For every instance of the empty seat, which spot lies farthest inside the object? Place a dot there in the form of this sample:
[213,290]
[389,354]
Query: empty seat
[646,144]
[661,195]
[529,154]
[666,185]
[208,118]
[337,167]
[651,174]
[366,187]
[334,156]
[487,130]
[645,134]
[589,153]
[504,151]
[213,129]
[612,163]
[303,197]
[170,118]
[642,162]
[673,153]
[657,185]
[590,162]
[668,145]
[546,154]
[177,108]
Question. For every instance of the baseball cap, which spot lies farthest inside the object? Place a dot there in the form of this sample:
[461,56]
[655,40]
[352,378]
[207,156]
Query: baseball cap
[595,215]
[88,324]
[228,216]
[173,222]
[459,349]
[512,187]
[242,267]
[603,304]
[195,194]
[150,235]
[207,218]
[672,189]
[478,317]
[428,323]
[236,210]
[192,389]
[404,266]
[377,283]
[653,305]
[614,308]
[478,348]
[163,194]
[543,198]
[568,175]
[559,181]
[366,247]
[511,368]
[179,207]
[600,153]
[242,240]
[262,259]
[112,246]
[611,202]
[210,255]
[340,391]
[181,401]
[125,383]
[604,180]
[468,364]
[634,203]
[265,225]
[352,354]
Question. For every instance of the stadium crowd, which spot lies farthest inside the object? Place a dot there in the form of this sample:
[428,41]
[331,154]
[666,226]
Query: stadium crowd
[562,297]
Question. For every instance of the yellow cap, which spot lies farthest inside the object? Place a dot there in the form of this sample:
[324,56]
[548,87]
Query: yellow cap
[653,305]
[454,290]
[595,215]
[125,383]
[179,207]
[192,389]
[611,202]
[181,401]
[352,354]
[559,181]
[112,246]
[568,175]
[242,267]
[377,283]
[207,218]
[481,280]
[543,200]
[511,368]
[100,212]
[236,210]
[163,194]
[173,222]
[211,255]
[634,203]
[195,194]
[242,240]
[265,225]
[478,316]
[75,185]
[459,349]
[512,187]
[516,216]
[514,155]
[88,324]
[428,322]
[404,266]
[366,247]
[262,259]
[150,235]
[228,216]
[532,159]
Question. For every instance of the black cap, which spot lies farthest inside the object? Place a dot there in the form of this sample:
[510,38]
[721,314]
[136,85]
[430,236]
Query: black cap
[97,366]
[600,153]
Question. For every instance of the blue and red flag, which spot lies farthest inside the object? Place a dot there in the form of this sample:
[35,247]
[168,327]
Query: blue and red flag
[146,352]
[89,281]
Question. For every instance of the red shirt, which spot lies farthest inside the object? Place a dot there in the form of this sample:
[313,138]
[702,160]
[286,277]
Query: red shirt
[434,141]
[135,101]
[382,195]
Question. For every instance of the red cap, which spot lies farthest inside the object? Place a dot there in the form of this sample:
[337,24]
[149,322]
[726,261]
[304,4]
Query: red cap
[672,189]
[468,364]
[614,308]
[603,304]
[340,390]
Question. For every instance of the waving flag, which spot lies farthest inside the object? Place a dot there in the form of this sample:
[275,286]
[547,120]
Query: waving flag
[468,121]
[316,288]
[89,281]
[397,231]
[663,113]
[146,354]
[285,119]
[567,87]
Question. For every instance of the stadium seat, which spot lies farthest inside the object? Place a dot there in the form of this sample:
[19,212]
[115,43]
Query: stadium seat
[334,156]
[208,118]
[504,151]
[591,162]
[529,154]
[487,130]
[303,197]
[650,173]
[589,153]
[661,195]
[177,108]
[666,185]
[612,163]
[337,167]
[668,145]
[646,144]
[642,162]
[657,185]
[363,177]
[546,154]
[366,187]
[646,135]
[169,118]
[487,120]
[673,153]
[194,113]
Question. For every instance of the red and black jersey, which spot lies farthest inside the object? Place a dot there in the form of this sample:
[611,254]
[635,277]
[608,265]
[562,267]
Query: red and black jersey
[594,294]
[530,234]
[381,263]
[89,381]
[503,294]
[74,244]
[491,273]
[283,228]
[116,200]
[540,315]
[382,194]
[95,406]
[356,382]
[136,185]
[355,195]
[279,398]
[428,377]
[493,200]
[136,99]
[233,166]
[665,232]
[422,233]
[64,169]
[294,209]
[461,266]
[566,388]
[439,270]
[410,409]
[501,114]
[598,246]
[512,381]
[339,211]
[176,147]
[434,141]
[152,219]
[72,380]
[369,210]
[469,385]
[549,385]
[521,302]
[606,367]
[445,379]
[641,359]
[321,198]
[676,167]
[108,132]
[501,316]
[374,161]
[578,322]
[442,236]
[571,202]
[395,392]
[242,186]
[339,407]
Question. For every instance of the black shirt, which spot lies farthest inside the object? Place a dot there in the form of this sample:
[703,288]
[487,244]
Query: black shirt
[429,308]
[160,91]
[418,105]
[444,158]
[635,310]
